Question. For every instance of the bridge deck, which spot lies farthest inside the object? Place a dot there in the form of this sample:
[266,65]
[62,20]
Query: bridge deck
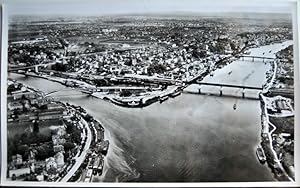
[257,57]
[229,85]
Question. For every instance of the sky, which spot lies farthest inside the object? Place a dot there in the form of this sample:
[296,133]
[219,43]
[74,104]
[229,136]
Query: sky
[113,7]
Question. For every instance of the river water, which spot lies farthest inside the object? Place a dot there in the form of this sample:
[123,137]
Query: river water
[191,137]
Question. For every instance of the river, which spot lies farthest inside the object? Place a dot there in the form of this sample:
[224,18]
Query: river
[192,137]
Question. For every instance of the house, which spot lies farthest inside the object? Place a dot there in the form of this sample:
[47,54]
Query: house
[57,140]
[59,158]
[14,105]
[58,148]
[18,171]
[17,159]
[61,131]
[51,164]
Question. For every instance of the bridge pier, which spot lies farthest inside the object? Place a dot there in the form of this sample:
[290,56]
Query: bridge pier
[221,92]
[243,94]
[36,69]
[243,58]
[252,59]
[199,90]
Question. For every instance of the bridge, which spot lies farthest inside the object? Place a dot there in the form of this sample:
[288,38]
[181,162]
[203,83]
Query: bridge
[69,89]
[255,57]
[14,69]
[228,86]
[35,67]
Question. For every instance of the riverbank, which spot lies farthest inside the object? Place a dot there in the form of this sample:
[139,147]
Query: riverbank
[148,98]
[95,153]
[274,141]
[266,136]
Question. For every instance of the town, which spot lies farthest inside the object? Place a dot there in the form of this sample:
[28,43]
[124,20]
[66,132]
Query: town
[132,62]
[58,141]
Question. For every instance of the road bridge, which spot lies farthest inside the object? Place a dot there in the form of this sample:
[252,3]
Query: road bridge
[263,58]
[69,89]
[221,86]
[26,68]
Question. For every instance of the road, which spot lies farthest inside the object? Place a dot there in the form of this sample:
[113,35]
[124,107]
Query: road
[80,159]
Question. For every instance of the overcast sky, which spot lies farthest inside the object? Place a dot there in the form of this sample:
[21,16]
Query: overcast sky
[107,7]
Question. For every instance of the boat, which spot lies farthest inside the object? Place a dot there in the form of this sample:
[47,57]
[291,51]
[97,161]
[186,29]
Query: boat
[95,166]
[133,103]
[234,106]
[164,98]
[175,94]
[105,146]
[229,72]
[100,167]
[261,154]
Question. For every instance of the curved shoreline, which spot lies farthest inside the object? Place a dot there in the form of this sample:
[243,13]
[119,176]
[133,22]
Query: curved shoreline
[266,141]
[266,135]
[134,103]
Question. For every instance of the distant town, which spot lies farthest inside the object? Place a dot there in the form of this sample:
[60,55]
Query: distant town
[132,62]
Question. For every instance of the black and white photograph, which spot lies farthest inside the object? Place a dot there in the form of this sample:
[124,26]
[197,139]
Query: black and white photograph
[156,91]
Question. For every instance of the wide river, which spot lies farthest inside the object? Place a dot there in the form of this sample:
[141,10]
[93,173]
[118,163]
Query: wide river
[191,137]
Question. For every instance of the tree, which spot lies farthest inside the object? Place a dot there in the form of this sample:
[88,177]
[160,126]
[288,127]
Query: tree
[101,82]
[68,146]
[41,154]
[232,46]
[12,149]
[60,67]
[156,68]
[128,62]
[76,135]
[23,150]
[125,93]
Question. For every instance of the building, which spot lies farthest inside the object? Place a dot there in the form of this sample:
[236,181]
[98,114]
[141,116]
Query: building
[17,159]
[57,140]
[17,172]
[14,105]
[59,158]
[51,164]
[58,148]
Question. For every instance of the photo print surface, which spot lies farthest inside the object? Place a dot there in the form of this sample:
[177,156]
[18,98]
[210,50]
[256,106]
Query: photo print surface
[140,91]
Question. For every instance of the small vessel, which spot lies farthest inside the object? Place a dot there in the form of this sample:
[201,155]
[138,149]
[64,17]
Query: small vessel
[100,167]
[229,72]
[164,98]
[234,106]
[103,147]
[175,94]
[133,103]
[261,154]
